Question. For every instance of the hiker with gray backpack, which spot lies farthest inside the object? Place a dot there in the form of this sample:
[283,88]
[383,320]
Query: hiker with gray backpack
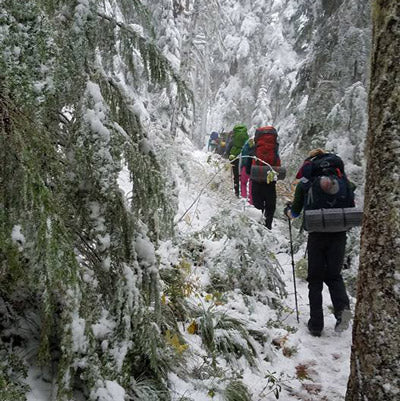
[327,197]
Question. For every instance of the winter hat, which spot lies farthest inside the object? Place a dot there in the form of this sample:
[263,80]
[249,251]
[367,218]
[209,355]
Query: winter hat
[316,152]
[305,169]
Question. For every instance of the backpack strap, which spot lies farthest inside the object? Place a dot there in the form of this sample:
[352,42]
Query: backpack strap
[323,218]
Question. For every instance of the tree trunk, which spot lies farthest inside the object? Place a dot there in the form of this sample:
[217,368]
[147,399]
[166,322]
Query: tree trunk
[375,367]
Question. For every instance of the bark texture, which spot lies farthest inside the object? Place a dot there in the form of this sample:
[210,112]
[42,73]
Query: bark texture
[375,367]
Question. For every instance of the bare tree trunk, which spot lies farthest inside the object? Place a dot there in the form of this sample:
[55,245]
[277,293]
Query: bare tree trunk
[375,366]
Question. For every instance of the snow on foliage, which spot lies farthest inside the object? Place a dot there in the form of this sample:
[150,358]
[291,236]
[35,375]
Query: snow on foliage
[147,278]
[17,236]
[111,391]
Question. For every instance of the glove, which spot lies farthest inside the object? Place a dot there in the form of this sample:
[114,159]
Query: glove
[287,209]
[270,177]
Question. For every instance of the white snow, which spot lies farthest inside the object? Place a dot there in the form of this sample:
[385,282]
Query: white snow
[325,361]
[124,181]
[145,251]
[41,390]
[104,327]
[16,235]
[95,117]
[138,29]
[244,49]
[111,391]
[205,190]
[79,340]
[119,354]
[104,241]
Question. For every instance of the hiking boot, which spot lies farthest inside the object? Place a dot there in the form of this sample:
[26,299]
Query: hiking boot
[343,320]
[267,221]
[314,331]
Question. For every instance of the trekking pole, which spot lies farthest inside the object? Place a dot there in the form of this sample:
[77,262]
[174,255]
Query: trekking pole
[294,275]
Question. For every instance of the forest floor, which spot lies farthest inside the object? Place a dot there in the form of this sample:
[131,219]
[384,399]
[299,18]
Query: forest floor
[291,363]
[303,367]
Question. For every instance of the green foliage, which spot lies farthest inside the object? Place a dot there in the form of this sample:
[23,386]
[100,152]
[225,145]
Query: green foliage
[283,312]
[12,374]
[207,332]
[174,340]
[233,338]
[177,288]
[273,385]
[143,390]
[244,260]
[11,265]
[154,354]
[302,268]
[224,335]
[279,324]
[67,233]
[236,391]
[289,351]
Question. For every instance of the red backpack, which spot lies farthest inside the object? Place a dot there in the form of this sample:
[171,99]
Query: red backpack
[267,147]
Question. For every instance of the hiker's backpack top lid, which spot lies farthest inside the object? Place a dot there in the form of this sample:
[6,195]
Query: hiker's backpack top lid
[326,164]
[328,186]
[267,147]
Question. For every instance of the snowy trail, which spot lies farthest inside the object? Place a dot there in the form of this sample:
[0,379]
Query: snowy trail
[313,368]
[306,368]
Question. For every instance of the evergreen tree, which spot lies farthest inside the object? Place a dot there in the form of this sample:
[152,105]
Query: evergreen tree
[262,114]
[77,256]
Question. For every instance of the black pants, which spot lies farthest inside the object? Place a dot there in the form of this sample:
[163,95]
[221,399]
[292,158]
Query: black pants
[325,261]
[235,171]
[264,198]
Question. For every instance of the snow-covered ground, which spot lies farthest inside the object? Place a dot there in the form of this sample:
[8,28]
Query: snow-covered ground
[290,363]
[305,367]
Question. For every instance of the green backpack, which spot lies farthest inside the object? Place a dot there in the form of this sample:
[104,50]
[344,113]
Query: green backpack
[240,137]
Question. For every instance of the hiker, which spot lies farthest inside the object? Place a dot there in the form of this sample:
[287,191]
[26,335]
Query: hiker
[323,184]
[228,144]
[304,169]
[213,141]
[239,138]
[221,143]
[264,190]
[245,169]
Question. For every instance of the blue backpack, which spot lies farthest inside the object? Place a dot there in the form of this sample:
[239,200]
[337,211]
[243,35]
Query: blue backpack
[214,136]
[327,186]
